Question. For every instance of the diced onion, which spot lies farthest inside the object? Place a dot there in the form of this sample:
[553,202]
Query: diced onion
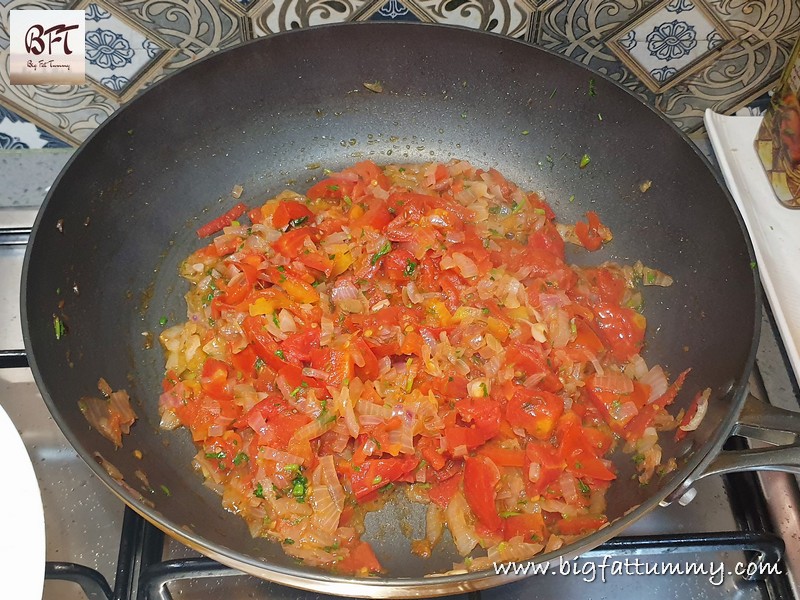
[702,408]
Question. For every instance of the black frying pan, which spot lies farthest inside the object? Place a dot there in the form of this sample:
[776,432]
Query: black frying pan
[267,113]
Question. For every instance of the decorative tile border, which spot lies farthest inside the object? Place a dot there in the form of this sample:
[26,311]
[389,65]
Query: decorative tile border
[670,42]
[17,133]
[756,37]
[506,17]
[121,53]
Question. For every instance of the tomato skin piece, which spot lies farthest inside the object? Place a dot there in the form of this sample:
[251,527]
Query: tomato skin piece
[535,411]
[289,211]
[481,477]
[264,346]
[222,221]
[621,328]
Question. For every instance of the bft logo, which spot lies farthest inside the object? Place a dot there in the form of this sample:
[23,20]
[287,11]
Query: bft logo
[35,38]
[47,46]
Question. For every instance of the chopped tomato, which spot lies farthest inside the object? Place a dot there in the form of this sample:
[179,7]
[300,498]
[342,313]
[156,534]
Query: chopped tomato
[531,361]
[544,466]
[589,233]
[529,526]
[580,524]
[375,473]
[621,328]
[581,458]
[535,411]
[443,491]
[407,324]
[291,212]
[481,477]
[214,379]
[503,457]
[361,560]
[222,222]
[292,244]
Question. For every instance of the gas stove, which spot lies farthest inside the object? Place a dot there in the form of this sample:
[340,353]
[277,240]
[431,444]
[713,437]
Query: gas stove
[736,539]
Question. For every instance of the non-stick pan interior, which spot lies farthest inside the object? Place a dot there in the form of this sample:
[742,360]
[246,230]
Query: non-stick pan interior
[272,114]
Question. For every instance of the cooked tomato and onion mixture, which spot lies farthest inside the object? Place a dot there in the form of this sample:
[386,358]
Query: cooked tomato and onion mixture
[413,329]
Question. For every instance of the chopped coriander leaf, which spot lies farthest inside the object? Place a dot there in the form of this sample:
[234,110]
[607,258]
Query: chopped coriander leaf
[377,480]
[485,311]
[484,390]
[166,491]
[58,327]
[333,188]
[585,160]
[299,487]
[259,491]
[162,321]
[525,132]
[240,458]
[260,364]
[387,488]
[288,541]
[509,513]
[572,198]
[410,269]
[218,455]
[753,266]
[383,251]
[297,222]
[279,353]
[275,320]
[583,487]
[592,91]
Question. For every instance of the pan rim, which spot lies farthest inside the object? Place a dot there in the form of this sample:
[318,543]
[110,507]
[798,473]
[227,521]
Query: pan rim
[392,586]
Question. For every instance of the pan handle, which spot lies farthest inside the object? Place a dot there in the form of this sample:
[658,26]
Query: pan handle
[757,421]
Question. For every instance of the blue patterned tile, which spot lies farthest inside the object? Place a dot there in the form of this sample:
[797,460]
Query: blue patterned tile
[393,10]
[116,52]
[17,133]
[669,40]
